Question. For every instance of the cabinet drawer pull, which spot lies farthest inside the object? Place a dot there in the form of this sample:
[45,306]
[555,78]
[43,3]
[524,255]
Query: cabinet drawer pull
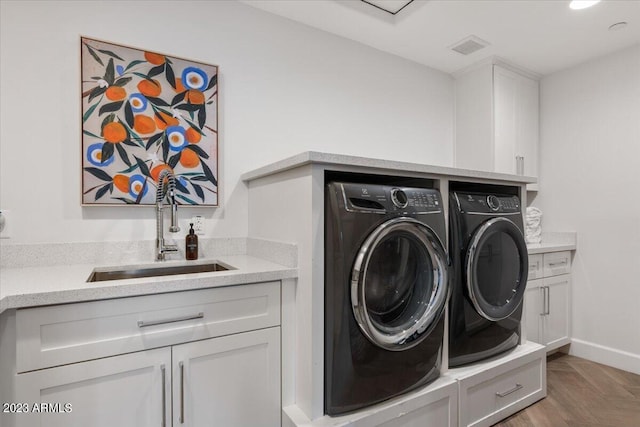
[553,264]
[508,392]
[164,396]
[548,302]
[181,392]
[519,165]
[143,324]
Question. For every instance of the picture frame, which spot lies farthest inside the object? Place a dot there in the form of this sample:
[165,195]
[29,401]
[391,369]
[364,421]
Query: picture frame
[143,112]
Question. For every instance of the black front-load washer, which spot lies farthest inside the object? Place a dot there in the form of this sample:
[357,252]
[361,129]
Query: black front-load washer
[386,289]
[490,266]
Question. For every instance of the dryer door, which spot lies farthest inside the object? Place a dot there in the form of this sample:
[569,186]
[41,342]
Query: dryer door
[497,268]
[399,284]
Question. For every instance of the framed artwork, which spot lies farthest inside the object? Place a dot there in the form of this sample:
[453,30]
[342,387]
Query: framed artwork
[143,112]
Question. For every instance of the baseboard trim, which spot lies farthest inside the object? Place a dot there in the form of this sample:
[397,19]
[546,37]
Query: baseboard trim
[606,355]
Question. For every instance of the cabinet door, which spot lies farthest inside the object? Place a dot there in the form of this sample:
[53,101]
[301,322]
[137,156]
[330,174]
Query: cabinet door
[130,390]
[228,381]
[556,322]
[533,310]
[515,122]
[474,119]
[527,125]
[505,119]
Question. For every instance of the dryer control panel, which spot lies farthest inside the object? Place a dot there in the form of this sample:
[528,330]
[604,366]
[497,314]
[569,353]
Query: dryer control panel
[486,203]
[385,198]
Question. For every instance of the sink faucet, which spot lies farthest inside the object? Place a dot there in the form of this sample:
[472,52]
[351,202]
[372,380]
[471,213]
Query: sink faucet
[161,192]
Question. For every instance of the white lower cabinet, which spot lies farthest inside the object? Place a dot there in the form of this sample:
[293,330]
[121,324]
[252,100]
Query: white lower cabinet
[555,324]
[230,379]
[214,381]
[127,390]
[534,310]
[547,309]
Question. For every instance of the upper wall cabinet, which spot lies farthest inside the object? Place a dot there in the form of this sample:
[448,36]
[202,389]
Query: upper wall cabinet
[497,120]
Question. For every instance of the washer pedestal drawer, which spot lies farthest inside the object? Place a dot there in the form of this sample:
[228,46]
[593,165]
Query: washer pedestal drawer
[495,389]
[432,405]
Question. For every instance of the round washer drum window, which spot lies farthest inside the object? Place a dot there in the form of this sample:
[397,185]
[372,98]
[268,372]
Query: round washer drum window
[399,283]
[497,269]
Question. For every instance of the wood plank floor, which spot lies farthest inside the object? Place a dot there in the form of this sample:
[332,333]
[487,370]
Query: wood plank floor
[581,393]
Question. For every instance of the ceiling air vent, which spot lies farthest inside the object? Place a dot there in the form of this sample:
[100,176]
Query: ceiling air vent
[469,45]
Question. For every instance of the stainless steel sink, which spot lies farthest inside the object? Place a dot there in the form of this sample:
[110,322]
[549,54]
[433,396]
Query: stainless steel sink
[101,275]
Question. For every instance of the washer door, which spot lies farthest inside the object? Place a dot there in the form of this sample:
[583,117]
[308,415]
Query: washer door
[497,268]
[399,283]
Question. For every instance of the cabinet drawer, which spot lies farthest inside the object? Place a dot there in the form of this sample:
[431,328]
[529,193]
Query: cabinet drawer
[535,266]
[556,263]
[61,334]
[502,391]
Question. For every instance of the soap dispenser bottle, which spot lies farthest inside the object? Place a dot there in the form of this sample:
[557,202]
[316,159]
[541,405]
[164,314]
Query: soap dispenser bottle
[191,244]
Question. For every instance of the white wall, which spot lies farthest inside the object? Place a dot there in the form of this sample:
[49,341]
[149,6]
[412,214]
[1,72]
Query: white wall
[590,183]
[284,88]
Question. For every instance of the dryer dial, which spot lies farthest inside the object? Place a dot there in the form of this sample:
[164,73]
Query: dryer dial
[493,202]
[399,198]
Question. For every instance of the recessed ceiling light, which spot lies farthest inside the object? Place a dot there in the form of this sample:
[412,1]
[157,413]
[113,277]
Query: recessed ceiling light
[618,26]
[582,4]
[390,6]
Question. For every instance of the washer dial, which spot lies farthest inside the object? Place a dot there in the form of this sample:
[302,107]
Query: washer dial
[399,198]
[493,202]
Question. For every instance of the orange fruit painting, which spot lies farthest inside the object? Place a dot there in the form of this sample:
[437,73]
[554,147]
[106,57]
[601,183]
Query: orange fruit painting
[155,172]
[163,120]
[189,159]
[121,182]
[192,136]
[144,124]
[114,132]
[194,96]
[116,93]
[143,112]
[150,88]
[154,58]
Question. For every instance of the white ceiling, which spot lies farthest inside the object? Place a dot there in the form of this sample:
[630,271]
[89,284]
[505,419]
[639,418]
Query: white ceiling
[542,36]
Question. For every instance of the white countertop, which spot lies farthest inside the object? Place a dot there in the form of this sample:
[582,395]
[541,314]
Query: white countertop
[59,284]
[541,248]
[390,166]
[554,242]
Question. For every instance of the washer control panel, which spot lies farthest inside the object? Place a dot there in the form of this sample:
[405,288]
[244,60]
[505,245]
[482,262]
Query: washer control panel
[486,203]
[424,199]
[385,198]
